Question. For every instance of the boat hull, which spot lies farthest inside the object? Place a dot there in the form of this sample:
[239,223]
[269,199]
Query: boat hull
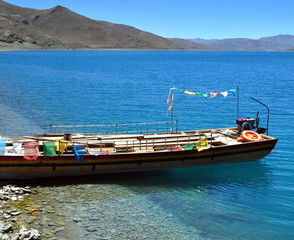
[18,167]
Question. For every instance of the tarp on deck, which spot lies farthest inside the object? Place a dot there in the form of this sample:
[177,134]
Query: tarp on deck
[17,147]
[2,146]
[79,153]
[189,146]
[49,149]
[61,145]
[202,144]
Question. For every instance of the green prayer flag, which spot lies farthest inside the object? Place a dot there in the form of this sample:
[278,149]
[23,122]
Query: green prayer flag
[203,94]
[49,149]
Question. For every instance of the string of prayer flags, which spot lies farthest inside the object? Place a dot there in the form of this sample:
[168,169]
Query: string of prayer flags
[206,95]
[170,99]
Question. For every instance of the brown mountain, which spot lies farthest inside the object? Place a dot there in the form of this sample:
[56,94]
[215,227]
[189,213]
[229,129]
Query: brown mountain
[16,31]
[160,42]
[76,30]
[71,29]
[59,27]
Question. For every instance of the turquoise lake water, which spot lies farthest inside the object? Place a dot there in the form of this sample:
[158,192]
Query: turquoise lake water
[235,201]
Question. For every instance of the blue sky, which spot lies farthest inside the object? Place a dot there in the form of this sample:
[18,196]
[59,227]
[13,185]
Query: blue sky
[187,18]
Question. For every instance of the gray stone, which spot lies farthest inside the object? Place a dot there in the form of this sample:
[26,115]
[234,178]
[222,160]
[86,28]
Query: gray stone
[59,229]
[91,229]
[13,212]
[77,220]
[5,237]
[106,238]
[27,190]
[23,233]
[34,235]
[7,228]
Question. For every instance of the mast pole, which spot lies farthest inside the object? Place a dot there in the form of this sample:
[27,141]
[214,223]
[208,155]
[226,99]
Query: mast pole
[238,102]
[172,119]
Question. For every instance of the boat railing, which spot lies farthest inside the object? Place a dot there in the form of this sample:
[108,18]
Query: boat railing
[154,143]
[131,128]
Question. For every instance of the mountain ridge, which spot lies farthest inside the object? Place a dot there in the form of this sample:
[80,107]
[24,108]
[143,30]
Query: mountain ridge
[60,28]
[281,42]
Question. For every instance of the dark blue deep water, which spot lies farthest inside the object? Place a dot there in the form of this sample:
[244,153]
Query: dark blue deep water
[236,201]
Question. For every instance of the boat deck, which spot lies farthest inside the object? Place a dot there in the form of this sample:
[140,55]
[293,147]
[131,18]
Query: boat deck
[132,143]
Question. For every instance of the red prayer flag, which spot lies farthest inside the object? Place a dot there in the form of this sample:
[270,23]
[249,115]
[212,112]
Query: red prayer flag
[212,95]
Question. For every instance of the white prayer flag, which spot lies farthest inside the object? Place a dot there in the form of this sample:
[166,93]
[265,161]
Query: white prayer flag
[225,93]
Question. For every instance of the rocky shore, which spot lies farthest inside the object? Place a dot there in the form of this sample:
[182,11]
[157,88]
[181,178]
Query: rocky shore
[29,213]
[115,212]
[86,211]
[10,226]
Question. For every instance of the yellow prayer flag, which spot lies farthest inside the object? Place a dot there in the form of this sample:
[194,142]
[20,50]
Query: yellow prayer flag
[188,92]
[61,145]
[201,144]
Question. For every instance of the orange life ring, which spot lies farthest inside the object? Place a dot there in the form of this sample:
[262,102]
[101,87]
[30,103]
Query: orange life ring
[250,136]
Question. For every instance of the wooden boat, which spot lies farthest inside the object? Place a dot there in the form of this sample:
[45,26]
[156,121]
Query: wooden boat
[82,150]
[114,153]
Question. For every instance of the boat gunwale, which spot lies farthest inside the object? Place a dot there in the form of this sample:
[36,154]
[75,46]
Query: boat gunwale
[118,158]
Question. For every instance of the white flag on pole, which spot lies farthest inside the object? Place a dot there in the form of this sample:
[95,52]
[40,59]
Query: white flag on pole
[170,101]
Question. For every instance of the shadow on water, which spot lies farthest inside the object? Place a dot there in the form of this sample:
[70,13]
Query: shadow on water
[252,174]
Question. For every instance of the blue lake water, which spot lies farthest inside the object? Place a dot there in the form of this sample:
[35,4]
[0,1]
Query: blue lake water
[235,201]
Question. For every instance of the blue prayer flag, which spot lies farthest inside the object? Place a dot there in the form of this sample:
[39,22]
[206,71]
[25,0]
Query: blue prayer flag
[233,91]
